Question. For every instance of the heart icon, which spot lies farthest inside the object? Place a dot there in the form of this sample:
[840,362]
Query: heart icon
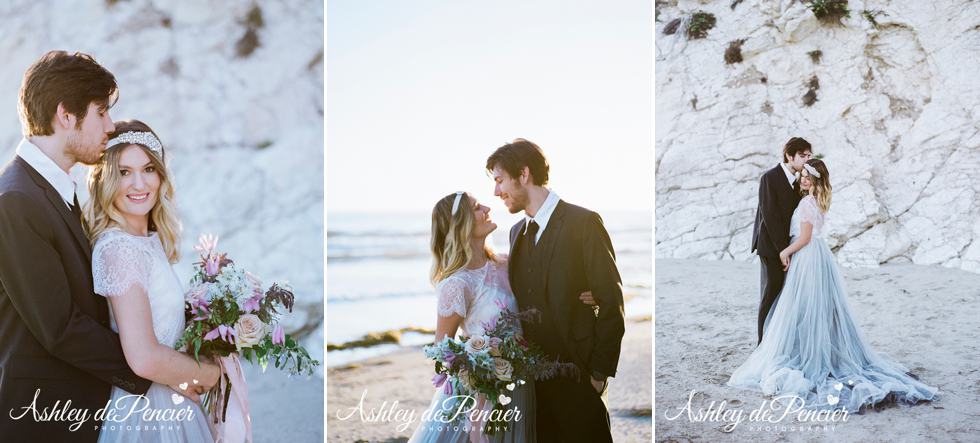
[176,398]
[183,386]
[510,387]
[504,400]
[839,386]
[195,381]
[520,381]
[850,382]
[832,400]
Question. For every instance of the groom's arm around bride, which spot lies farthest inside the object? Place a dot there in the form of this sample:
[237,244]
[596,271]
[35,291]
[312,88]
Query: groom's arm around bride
[56,345]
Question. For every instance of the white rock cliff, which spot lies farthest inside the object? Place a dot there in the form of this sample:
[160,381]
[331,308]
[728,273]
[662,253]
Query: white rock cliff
[895,117]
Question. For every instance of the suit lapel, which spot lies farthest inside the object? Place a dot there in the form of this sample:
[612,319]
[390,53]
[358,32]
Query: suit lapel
[545,248]
[515,236]
[782,176]
[74,224]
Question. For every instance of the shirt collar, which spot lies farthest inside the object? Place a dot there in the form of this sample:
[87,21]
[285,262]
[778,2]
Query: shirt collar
[543,215]
[49,170]
[790,175]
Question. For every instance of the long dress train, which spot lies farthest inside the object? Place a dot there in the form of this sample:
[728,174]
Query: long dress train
[812,348]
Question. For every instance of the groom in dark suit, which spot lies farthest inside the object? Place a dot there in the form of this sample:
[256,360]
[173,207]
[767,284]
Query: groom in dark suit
[558,252]
[779,194]
[56,348]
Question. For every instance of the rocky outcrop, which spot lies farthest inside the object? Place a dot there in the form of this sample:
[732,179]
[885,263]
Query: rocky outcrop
[889,96]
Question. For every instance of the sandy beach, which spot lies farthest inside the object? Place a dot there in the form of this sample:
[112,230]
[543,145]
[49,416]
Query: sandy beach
[924,317]
[404,377]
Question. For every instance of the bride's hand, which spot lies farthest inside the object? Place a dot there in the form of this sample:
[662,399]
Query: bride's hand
[190,392]
[587,298]
[213,372]
[784,258]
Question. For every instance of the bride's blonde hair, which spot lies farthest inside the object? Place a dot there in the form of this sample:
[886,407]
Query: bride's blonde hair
[450,242]
[103,182]
[820,186]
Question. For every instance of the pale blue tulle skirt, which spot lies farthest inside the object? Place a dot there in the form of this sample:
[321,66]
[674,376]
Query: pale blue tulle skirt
[812,348]
[520,431]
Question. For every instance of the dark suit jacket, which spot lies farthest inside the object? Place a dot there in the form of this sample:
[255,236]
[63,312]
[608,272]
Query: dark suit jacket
[777,201]
[54,330]
[579,257]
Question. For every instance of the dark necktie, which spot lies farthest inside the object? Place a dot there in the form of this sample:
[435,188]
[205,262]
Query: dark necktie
[74,207]
[532,231]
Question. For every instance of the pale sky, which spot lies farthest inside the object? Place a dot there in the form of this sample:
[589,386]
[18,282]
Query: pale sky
[420,92]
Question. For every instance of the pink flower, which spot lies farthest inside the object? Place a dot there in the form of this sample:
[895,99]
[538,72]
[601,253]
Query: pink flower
[226,333]
[278,335]
[211,267]
[252,304]
[447,389]
[206,245]
[200,308]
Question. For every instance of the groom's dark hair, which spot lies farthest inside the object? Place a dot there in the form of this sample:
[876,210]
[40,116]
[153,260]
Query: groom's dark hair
[74,80]
[518,154]
[794,146]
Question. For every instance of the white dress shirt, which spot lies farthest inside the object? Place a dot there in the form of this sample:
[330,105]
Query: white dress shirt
[543,215]
[790,175]
[57,177]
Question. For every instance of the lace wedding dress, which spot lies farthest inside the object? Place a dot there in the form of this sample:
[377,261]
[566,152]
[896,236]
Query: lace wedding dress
[120,261]
[477,295]
[812,347]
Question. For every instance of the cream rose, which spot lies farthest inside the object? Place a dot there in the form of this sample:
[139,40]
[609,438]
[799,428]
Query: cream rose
[249,331]
[476,344]
[503,369]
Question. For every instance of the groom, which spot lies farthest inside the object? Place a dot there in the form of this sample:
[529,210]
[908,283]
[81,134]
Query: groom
[56,348]
[779,194]
[556,253]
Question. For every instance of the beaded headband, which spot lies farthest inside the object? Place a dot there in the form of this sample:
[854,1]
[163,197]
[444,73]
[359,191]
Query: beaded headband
[811,170]
[138,138]
[459,195]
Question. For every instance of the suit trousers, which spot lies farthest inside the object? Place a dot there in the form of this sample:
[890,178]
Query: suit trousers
[570,410]
[772,281]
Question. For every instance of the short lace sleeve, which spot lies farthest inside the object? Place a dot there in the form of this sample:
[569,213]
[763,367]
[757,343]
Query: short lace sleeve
[810,213]
[119,261]
[452,297]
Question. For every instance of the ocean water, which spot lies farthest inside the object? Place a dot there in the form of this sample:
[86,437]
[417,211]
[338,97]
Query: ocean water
[378,266]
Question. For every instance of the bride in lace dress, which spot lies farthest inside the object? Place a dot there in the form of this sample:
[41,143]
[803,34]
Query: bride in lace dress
[472,288]
[132,222]
[811,346]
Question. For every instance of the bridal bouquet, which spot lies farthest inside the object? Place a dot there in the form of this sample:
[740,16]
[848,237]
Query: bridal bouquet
[229,315]
[493,364]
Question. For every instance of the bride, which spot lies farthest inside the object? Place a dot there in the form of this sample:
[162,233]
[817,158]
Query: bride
[132,223]
[472,288]
[811,347]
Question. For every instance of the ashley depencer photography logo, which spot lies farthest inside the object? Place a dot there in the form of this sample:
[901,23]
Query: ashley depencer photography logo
[165,419]
[453,413]
[768,417]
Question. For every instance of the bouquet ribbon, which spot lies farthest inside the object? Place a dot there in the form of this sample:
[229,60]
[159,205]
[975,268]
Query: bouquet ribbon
[239,428]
